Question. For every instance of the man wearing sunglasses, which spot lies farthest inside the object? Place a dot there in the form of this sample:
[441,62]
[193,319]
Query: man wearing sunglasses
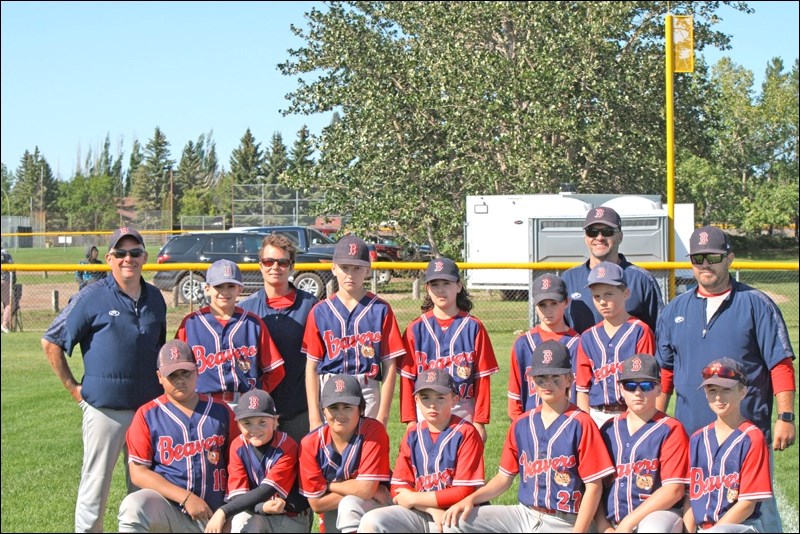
[722,317]
[120,323]
[603,237]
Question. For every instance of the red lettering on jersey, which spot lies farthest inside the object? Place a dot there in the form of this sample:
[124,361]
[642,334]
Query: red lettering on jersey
[530,469]
[174,453]
[462,359]
[625,470]
[334,345]
[212,359]
[699,485]
[607,370]
[435,481]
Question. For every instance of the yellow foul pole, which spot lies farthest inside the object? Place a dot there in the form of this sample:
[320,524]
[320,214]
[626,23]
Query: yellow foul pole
[669,69]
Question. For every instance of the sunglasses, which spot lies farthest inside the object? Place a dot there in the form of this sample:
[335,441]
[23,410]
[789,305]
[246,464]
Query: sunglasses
[723,372]
[120,253]
[607,232]
[646,387]
[711,257]
[269,262]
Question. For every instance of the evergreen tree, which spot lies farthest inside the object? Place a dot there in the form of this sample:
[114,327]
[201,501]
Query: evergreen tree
[247,169]
[133,164]
[35,188]
[151,179]
[279,197]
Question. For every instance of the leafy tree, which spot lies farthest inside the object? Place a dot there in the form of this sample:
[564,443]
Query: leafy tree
[439,100]
[150,184]
[6,185]
[90,202]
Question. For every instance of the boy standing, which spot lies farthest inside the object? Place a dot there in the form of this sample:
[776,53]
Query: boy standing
[352,332]
[606,345]
[233,348]
[651,453]
[440,462]
[343,461]
[262,473]
[551,301]
[729,471]
[557,451]
[178,451]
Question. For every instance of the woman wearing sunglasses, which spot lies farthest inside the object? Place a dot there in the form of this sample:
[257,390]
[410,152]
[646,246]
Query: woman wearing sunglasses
[650,451]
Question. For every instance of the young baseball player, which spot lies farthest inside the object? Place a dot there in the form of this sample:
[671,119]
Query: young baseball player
[234,350]
[729,471]
[177,451]
[353,332]
[604,347]
[551,301]
[650,451]
[440,462]
[343,462]
[559,455]
[447,337]
[262,473]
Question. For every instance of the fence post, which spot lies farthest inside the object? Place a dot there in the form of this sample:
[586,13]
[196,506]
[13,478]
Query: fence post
[175,297]
[415,289]
[54,300]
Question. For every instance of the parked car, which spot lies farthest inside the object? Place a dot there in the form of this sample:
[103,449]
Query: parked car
[240,247]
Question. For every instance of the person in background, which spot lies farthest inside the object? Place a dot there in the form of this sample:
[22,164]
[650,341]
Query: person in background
[7,279]
[84,278]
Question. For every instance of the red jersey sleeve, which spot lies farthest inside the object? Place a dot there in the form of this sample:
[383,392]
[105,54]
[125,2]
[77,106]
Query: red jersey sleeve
[667,381]
[509,459]
[312,340]
[754,480]
[487,362]
[646,344]
[137,438]
[238,483]
[584,375]
[312,482]
[282,474]
[674,459]
[392,345]
[408,375]
[782,376]
[403,474]
[374,463]
[594,462]
[469,469]
[181,333]
[483,400]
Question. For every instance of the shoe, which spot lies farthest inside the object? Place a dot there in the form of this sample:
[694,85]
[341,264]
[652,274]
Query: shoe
[4,330]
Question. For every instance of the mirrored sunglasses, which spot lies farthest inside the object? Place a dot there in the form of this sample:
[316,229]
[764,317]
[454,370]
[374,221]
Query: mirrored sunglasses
[269,262]
[723,372]
[120,253]
[646,387]
[607,232]
[711,257]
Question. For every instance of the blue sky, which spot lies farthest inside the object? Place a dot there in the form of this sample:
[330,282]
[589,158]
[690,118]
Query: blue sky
[73,72]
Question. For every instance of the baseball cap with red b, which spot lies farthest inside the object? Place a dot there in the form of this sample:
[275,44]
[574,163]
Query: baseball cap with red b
[640,367]
[255,403]
[351,250]
[442,269]
[549,287]
[175,355]
[606,272]
[709,239]
[550,358]
[342,388]
[125,231]
[224,272]
[438,380]
[602,215]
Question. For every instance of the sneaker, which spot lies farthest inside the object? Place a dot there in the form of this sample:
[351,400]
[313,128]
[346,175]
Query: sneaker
[3,329]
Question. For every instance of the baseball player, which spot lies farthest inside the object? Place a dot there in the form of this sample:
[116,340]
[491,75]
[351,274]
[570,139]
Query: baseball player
[447,337]
[551,300]
[440,462]
[234,350]
[729,472]
[651,455]
[603,228]
[558,454]
[343,462]
[262,472]
[177,451]
[352,332]
[606,345]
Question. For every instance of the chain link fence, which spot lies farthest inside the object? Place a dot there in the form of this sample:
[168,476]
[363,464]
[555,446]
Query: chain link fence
[41,294]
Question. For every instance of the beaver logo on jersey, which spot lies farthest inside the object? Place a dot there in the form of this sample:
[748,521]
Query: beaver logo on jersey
[243,364]
[368,351]
[562,478]
[463,371]
[703,238]
[732,495]
[644,482]
[213,457]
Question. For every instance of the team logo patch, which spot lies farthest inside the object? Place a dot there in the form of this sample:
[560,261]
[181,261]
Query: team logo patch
[227,272]
[463,371]
[601,272]
[438,266]
[732,495]
[113,313]
[213,457]
[430,377]
[243,364]
[598,213]
[702,238]
[575,295]
[562,478]
[173,353]
[679,319]
[368,351]
[644,482]
[253,404]
[352,250]
[339,386]
[636,364]
[545,284]
[547,356]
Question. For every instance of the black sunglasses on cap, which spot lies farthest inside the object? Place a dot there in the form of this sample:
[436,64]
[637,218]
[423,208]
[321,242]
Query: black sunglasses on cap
[269,262]
[711,257]
[120,253]
[607,232]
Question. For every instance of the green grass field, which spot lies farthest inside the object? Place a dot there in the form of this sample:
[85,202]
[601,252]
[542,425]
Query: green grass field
[41,440]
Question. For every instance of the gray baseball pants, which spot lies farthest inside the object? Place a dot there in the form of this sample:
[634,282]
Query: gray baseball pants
[247,522]
[514,518]
[396,518]
[348,516]
[148,511]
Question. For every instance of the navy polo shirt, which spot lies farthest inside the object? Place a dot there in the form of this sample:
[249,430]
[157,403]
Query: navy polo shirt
[286,327]
[748,327]
[119,340]
[644,303]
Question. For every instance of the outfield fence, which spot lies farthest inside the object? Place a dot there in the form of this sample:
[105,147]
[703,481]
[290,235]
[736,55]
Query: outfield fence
[42,290]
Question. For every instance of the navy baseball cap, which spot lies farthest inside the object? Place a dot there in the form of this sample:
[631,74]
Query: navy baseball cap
[602,215]
[549,287]
[438,380]
[442,269]
[342,388]
[255,403]
[550,358]
[224,272]
[351,250]
[125,231]
[606,272]
[709,239]
[640,367]
[724,372]
[175,355]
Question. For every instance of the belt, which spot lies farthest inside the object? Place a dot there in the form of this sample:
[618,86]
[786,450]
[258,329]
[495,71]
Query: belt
[227,396]
[557,513]
[611,408]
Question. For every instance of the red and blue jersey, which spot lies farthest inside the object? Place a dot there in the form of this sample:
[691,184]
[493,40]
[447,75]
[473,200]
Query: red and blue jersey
[721,474]
[521,389]
[276,467]
[435,461]
[236,355]
[352,342]
[600,358]
[188,451]
[366,457]
[654,455]
[460,346]
[554,463]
